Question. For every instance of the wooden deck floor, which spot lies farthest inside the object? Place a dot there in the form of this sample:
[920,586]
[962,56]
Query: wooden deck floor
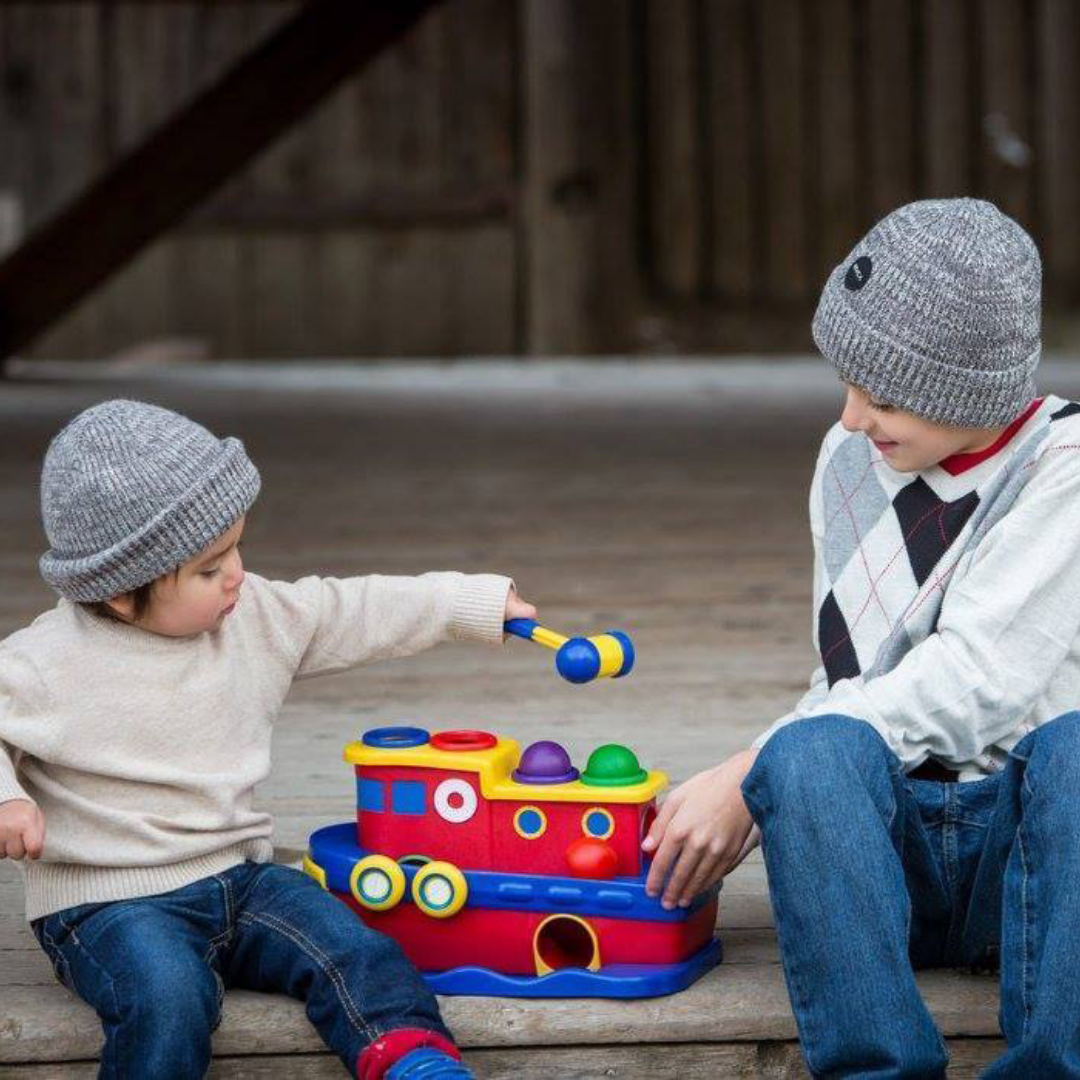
[669,501]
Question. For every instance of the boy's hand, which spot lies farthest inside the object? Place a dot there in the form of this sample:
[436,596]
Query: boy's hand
[516,608]
[22,829]
[703,830]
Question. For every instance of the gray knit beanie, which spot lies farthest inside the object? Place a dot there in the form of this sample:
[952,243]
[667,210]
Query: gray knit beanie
[937,311]
[129,491]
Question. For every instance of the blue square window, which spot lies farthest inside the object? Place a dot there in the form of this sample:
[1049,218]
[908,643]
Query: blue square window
[369,795]
[407,797]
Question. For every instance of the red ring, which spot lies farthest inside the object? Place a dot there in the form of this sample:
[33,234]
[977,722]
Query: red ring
[463,740]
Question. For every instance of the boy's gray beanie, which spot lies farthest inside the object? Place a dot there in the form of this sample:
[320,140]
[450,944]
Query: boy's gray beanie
[937,311]
[129,491]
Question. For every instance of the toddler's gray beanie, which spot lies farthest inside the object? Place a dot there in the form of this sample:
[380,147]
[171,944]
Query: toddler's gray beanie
[129,491]
[937,311]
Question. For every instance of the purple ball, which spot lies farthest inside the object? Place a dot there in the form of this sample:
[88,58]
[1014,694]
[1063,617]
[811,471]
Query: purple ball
[545,762]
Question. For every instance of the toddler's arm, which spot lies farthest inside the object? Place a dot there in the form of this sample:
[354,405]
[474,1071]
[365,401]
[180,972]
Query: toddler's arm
[331,624]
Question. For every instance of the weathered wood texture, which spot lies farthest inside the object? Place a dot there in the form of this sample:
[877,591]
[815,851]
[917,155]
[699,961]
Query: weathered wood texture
[551,176]
[183,162]
[668,500]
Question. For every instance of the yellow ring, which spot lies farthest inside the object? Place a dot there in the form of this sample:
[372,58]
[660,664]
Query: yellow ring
[527,835]
[390,870]
[314,870]
[445,875]
[597,810]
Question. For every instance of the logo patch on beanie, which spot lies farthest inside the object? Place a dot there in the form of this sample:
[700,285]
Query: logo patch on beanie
[858,273]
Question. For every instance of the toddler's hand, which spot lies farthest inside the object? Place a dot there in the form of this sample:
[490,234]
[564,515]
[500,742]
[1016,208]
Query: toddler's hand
[22,829]
[516,608]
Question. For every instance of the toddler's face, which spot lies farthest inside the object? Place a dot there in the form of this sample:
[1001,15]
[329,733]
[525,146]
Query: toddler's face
[199,596]
[908,442]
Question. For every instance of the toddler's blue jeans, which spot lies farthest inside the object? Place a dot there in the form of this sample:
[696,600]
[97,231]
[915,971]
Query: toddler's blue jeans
[872,874]
[156,968]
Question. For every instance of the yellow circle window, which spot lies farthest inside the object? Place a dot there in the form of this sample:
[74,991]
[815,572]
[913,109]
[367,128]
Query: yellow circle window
[597,822]
[530,822]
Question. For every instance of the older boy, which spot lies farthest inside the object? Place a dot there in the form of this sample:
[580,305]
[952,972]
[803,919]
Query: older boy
[922,811]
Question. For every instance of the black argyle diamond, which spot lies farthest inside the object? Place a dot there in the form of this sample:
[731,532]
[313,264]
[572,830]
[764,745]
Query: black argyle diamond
[834,639]
[929,525]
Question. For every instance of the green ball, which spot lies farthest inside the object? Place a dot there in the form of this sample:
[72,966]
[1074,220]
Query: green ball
[613,765]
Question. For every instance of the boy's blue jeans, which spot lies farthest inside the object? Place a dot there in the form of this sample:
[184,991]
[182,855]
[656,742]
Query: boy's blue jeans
[156,968]
[872,874]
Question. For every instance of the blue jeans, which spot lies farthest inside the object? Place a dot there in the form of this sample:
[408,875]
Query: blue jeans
[156,968]
[873,874]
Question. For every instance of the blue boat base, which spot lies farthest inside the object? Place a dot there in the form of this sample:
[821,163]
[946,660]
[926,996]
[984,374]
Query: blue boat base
[611,981]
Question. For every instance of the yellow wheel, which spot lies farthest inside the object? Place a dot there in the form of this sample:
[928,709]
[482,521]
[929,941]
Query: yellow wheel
[377,883]
[440,890]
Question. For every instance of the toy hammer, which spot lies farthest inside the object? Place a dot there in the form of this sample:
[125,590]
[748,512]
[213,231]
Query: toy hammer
[578,659]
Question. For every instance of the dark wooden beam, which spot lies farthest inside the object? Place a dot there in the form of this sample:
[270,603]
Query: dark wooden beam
[190,156]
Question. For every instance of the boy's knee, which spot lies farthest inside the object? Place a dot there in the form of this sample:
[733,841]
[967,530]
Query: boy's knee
[814,755]
[821,743]
[1056,745]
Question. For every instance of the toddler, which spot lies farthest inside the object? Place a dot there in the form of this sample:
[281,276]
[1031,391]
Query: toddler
[135,722]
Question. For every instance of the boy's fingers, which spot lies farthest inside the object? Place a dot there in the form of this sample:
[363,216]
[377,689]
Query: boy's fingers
[684,869]
[15,849]
[661,821]
[665,856]
[708,871]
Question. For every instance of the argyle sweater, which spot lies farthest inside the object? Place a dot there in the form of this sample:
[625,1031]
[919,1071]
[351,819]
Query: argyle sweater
[947,601]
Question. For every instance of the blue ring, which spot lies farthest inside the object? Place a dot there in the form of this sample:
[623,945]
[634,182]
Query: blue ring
[629,656]
[395,738]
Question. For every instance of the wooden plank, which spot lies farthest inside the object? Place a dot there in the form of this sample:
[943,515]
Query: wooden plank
[156,183]
[52,98]
[674,151]
[1058,139]
[781,60]
[886,79]
[838,219]
[690,1061]
[949,111]
[733,116]
[1006,115]
[558,187]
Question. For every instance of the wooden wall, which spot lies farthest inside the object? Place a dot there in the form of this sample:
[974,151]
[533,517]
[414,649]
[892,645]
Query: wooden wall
[551,176]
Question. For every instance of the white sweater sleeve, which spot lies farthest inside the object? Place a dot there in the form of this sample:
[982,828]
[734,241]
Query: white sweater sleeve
[1004,627]
[20,698]
[332,624]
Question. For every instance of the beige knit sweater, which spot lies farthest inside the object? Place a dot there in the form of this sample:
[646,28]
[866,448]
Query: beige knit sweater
[143,751]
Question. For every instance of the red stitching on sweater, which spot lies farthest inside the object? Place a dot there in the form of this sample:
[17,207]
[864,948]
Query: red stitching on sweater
[858,540]
[888,566]
[855,489]
[939,583]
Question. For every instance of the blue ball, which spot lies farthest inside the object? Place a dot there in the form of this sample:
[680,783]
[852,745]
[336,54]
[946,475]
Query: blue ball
[578,661]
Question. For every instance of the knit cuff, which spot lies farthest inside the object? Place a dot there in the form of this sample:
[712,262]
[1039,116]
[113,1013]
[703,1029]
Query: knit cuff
[9,785]
[479,609]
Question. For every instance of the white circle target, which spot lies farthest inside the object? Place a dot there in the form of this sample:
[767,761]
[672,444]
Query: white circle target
[455,813]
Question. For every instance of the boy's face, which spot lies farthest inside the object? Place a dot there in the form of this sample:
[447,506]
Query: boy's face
[199,596]
[906,441]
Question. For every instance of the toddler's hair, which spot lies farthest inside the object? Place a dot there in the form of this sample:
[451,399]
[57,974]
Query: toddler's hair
[141,600]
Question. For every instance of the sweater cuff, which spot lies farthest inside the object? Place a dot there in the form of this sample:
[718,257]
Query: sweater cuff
[480,609]
[9,786]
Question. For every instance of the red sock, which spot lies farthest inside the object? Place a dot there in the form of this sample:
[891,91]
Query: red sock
[392,1045]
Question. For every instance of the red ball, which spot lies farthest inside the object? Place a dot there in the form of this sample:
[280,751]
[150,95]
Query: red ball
[589,857]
